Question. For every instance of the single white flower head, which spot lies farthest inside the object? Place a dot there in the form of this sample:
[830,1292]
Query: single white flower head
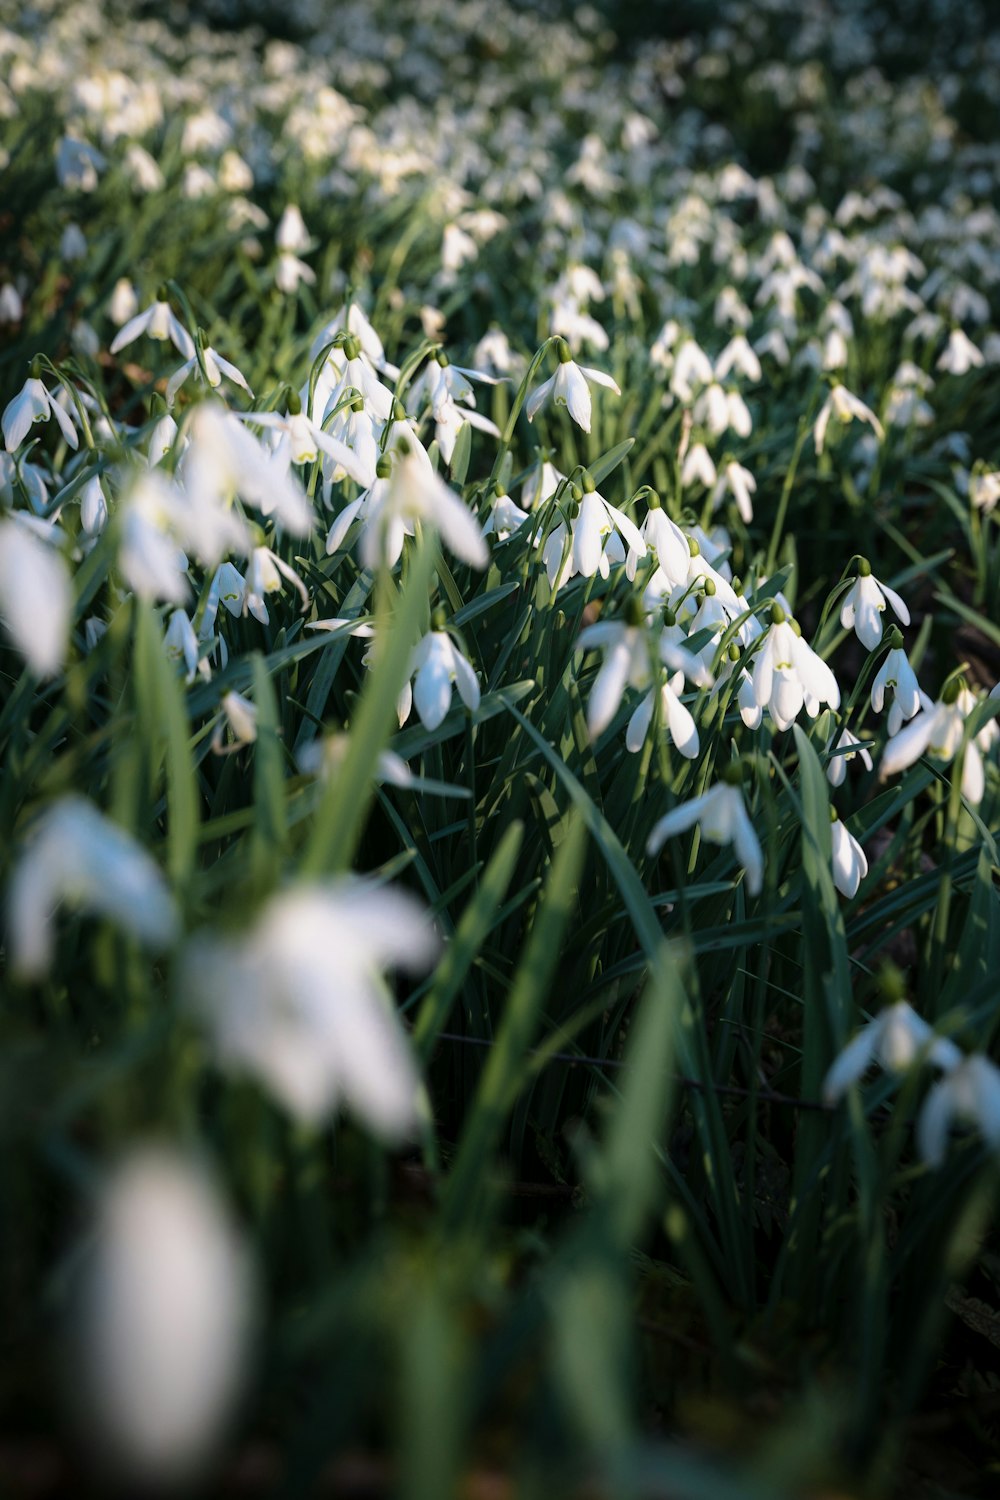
[78,857]
[36,597]
[895,1039]
[164,1317]
[864,605]
[570,387]
[299,1001]
[850,865]
[437,667]
[723,819]
[970,1092]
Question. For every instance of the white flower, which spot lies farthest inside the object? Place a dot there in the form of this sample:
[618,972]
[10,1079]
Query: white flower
[938,729]
[849,863]
[152,563]
[788,675]
[291,234]
[969,1092]
[698,467]
[505,518]
[36,598]
[437,665]
[78,164]
[628,659]
[215,368]
[181,645]
[411,491]
[864,604]
[846,408]
[239,715]
[837,766]
[895,1039]
[960,354]
[570,387]
[723,819]
[33,403]
[984,490]
[740,483]
[299,1002]
[77,856]
[897,677]
[159,322]
[164,1319]
[224,460]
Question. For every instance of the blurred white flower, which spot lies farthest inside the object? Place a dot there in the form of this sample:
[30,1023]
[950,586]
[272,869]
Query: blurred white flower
[740,483]
[723,819]
[960,354]
[895,1039]
[239,716]
[840,403]
[299,1000]
[164,1317]
[78,857]
[970,1092]
[78,164]
[939,730]
[215,368]
[36,597]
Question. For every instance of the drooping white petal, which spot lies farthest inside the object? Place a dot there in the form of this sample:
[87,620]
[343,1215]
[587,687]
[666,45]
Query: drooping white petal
[36,598]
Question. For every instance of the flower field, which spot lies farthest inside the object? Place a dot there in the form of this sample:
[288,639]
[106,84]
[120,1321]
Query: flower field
[500,600]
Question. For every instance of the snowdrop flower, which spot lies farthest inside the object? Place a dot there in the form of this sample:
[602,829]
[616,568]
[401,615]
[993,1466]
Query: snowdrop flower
[32,477]
[667,541]
[788,675]
[159,322]
[840,403]
[290,271]
[36,597]
[938,729]
[164,1315]
[291,233]
[150,560]
[692,368]
[11,304]
[264,577]
[628,661]
[738,356]
[896,677]
[142,171]
[437,666]
[505,518]
[970,1091]
[33,403]
[407,490]
[224,460]
[161,440]
[570,387]
[93,508]
[301,440]
[324,755]
[984,490]
[740,483]
[864,604]
[960,354]
[78,164]
[77,856]
[318,1033]
[698,467]
[215,368]
[850,865]
[895,1039]
[181,645]
[723,819]
[836,769]
[239,716]
[595,521]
